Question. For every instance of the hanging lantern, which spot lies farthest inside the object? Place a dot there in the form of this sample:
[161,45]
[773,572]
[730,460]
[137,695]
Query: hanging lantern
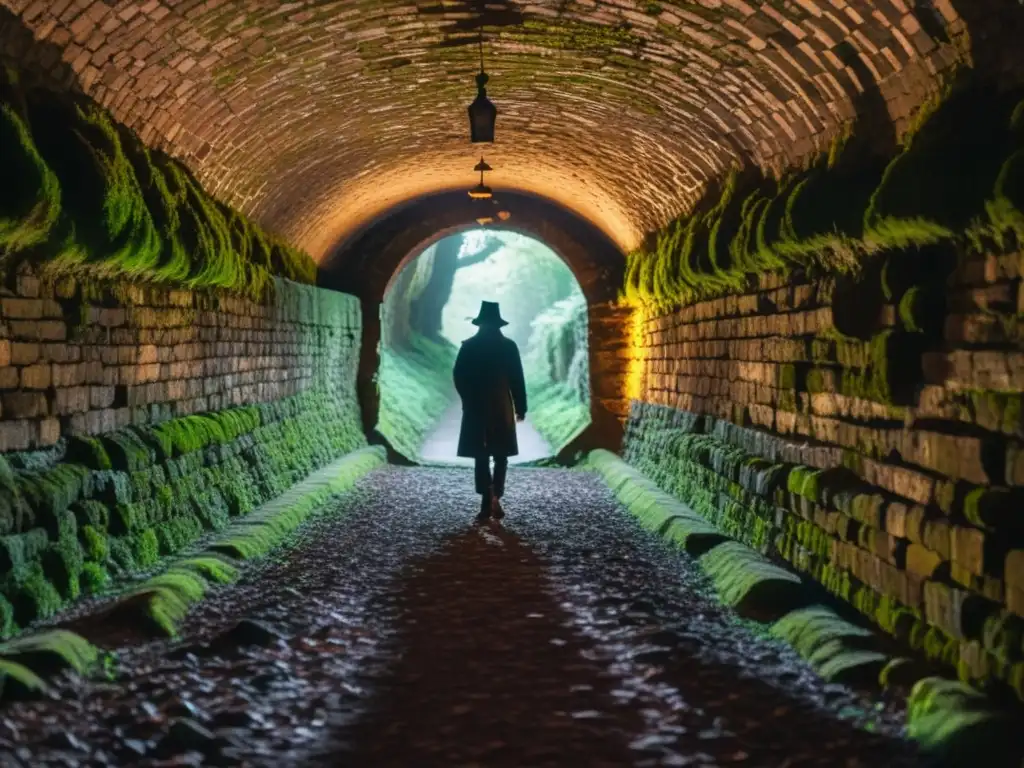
[482,113]
[481,191]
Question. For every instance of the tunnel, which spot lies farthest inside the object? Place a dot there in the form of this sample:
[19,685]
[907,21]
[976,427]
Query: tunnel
[760,265]
[370,260]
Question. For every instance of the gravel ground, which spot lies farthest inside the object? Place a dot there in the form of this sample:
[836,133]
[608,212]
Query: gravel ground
[395,632]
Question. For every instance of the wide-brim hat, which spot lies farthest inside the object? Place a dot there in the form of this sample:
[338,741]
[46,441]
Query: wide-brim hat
[489,315]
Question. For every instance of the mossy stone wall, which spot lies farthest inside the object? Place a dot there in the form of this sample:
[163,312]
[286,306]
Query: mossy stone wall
[558,372]
[866,431]
[135,419]
[416,388]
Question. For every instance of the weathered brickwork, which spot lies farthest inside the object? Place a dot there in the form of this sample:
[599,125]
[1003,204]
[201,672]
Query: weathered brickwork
[134,420]
[887,464]
[317,115]
[83,360]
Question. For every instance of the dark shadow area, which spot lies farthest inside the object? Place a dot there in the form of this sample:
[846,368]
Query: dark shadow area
[469,16]
[19,48]
[996,28]
[488,672]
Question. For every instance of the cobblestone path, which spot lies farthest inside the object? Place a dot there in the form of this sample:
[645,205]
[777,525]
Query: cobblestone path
[565,636]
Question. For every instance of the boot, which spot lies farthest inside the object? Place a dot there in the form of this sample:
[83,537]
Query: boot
[485,508]
[496,511]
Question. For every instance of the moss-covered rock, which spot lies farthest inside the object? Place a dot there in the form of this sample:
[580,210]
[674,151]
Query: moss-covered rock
[52,651]
[19,683]
[94,578]
[92,199]
[957,177]
[30,207]
[957,723]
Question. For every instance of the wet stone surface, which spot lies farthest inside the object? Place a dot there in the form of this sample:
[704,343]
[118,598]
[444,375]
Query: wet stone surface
[394,632]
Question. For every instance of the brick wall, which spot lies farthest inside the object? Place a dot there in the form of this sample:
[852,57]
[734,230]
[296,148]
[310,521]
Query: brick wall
[867,431]
[134,420]
[85,359]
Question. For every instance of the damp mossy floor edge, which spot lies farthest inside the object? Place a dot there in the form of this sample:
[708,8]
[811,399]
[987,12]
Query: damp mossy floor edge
[158,602]
[947,718]
[163,600]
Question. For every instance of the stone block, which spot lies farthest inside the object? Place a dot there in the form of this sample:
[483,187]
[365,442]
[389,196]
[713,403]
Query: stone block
[24,405]
[944,607]
[36,376]
[1014,464]
[16,435]
[27,286]
[937,537]
[101,397]
[49,432]
[25,353]
[71,400]
[68,375]
[61,353]
[1015,600]
[38,330]
[896,519]
[967,546]
[1013,570]
[5,353]
[21,309]
[921,561]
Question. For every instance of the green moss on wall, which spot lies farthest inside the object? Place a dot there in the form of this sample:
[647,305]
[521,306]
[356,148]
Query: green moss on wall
[146,492]
[958,177]
[823,523]
[90,199]
[29,208]
[416,388]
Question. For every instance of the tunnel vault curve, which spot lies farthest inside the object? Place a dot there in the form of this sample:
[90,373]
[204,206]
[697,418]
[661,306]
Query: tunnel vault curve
[365,264]
[317,116]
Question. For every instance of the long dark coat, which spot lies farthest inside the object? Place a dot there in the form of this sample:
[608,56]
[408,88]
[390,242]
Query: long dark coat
[489,379]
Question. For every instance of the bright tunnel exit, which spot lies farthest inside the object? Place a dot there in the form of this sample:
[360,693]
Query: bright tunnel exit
[427,314]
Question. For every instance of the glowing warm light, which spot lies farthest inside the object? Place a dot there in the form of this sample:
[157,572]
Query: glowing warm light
[484,220]
[344,208]
[636,365]
[481,192]
[504,215]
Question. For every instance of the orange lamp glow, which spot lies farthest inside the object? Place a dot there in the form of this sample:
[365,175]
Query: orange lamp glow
[636,365]
[481,191]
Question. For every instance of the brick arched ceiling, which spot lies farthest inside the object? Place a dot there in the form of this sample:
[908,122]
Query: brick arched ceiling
[317,115]
[366,263]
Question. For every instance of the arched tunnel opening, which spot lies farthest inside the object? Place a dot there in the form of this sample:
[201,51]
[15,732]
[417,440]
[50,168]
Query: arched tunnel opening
[427,313]
[585,263]
[762,262]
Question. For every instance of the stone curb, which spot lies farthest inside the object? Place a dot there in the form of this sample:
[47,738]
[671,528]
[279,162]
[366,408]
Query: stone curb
[946,717]
[168,596]
[180,584]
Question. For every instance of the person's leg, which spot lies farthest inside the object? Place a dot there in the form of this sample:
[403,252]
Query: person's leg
[482,478]
[501,470]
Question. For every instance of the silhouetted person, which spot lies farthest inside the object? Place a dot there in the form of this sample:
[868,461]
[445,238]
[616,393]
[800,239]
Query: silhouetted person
[489,379]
